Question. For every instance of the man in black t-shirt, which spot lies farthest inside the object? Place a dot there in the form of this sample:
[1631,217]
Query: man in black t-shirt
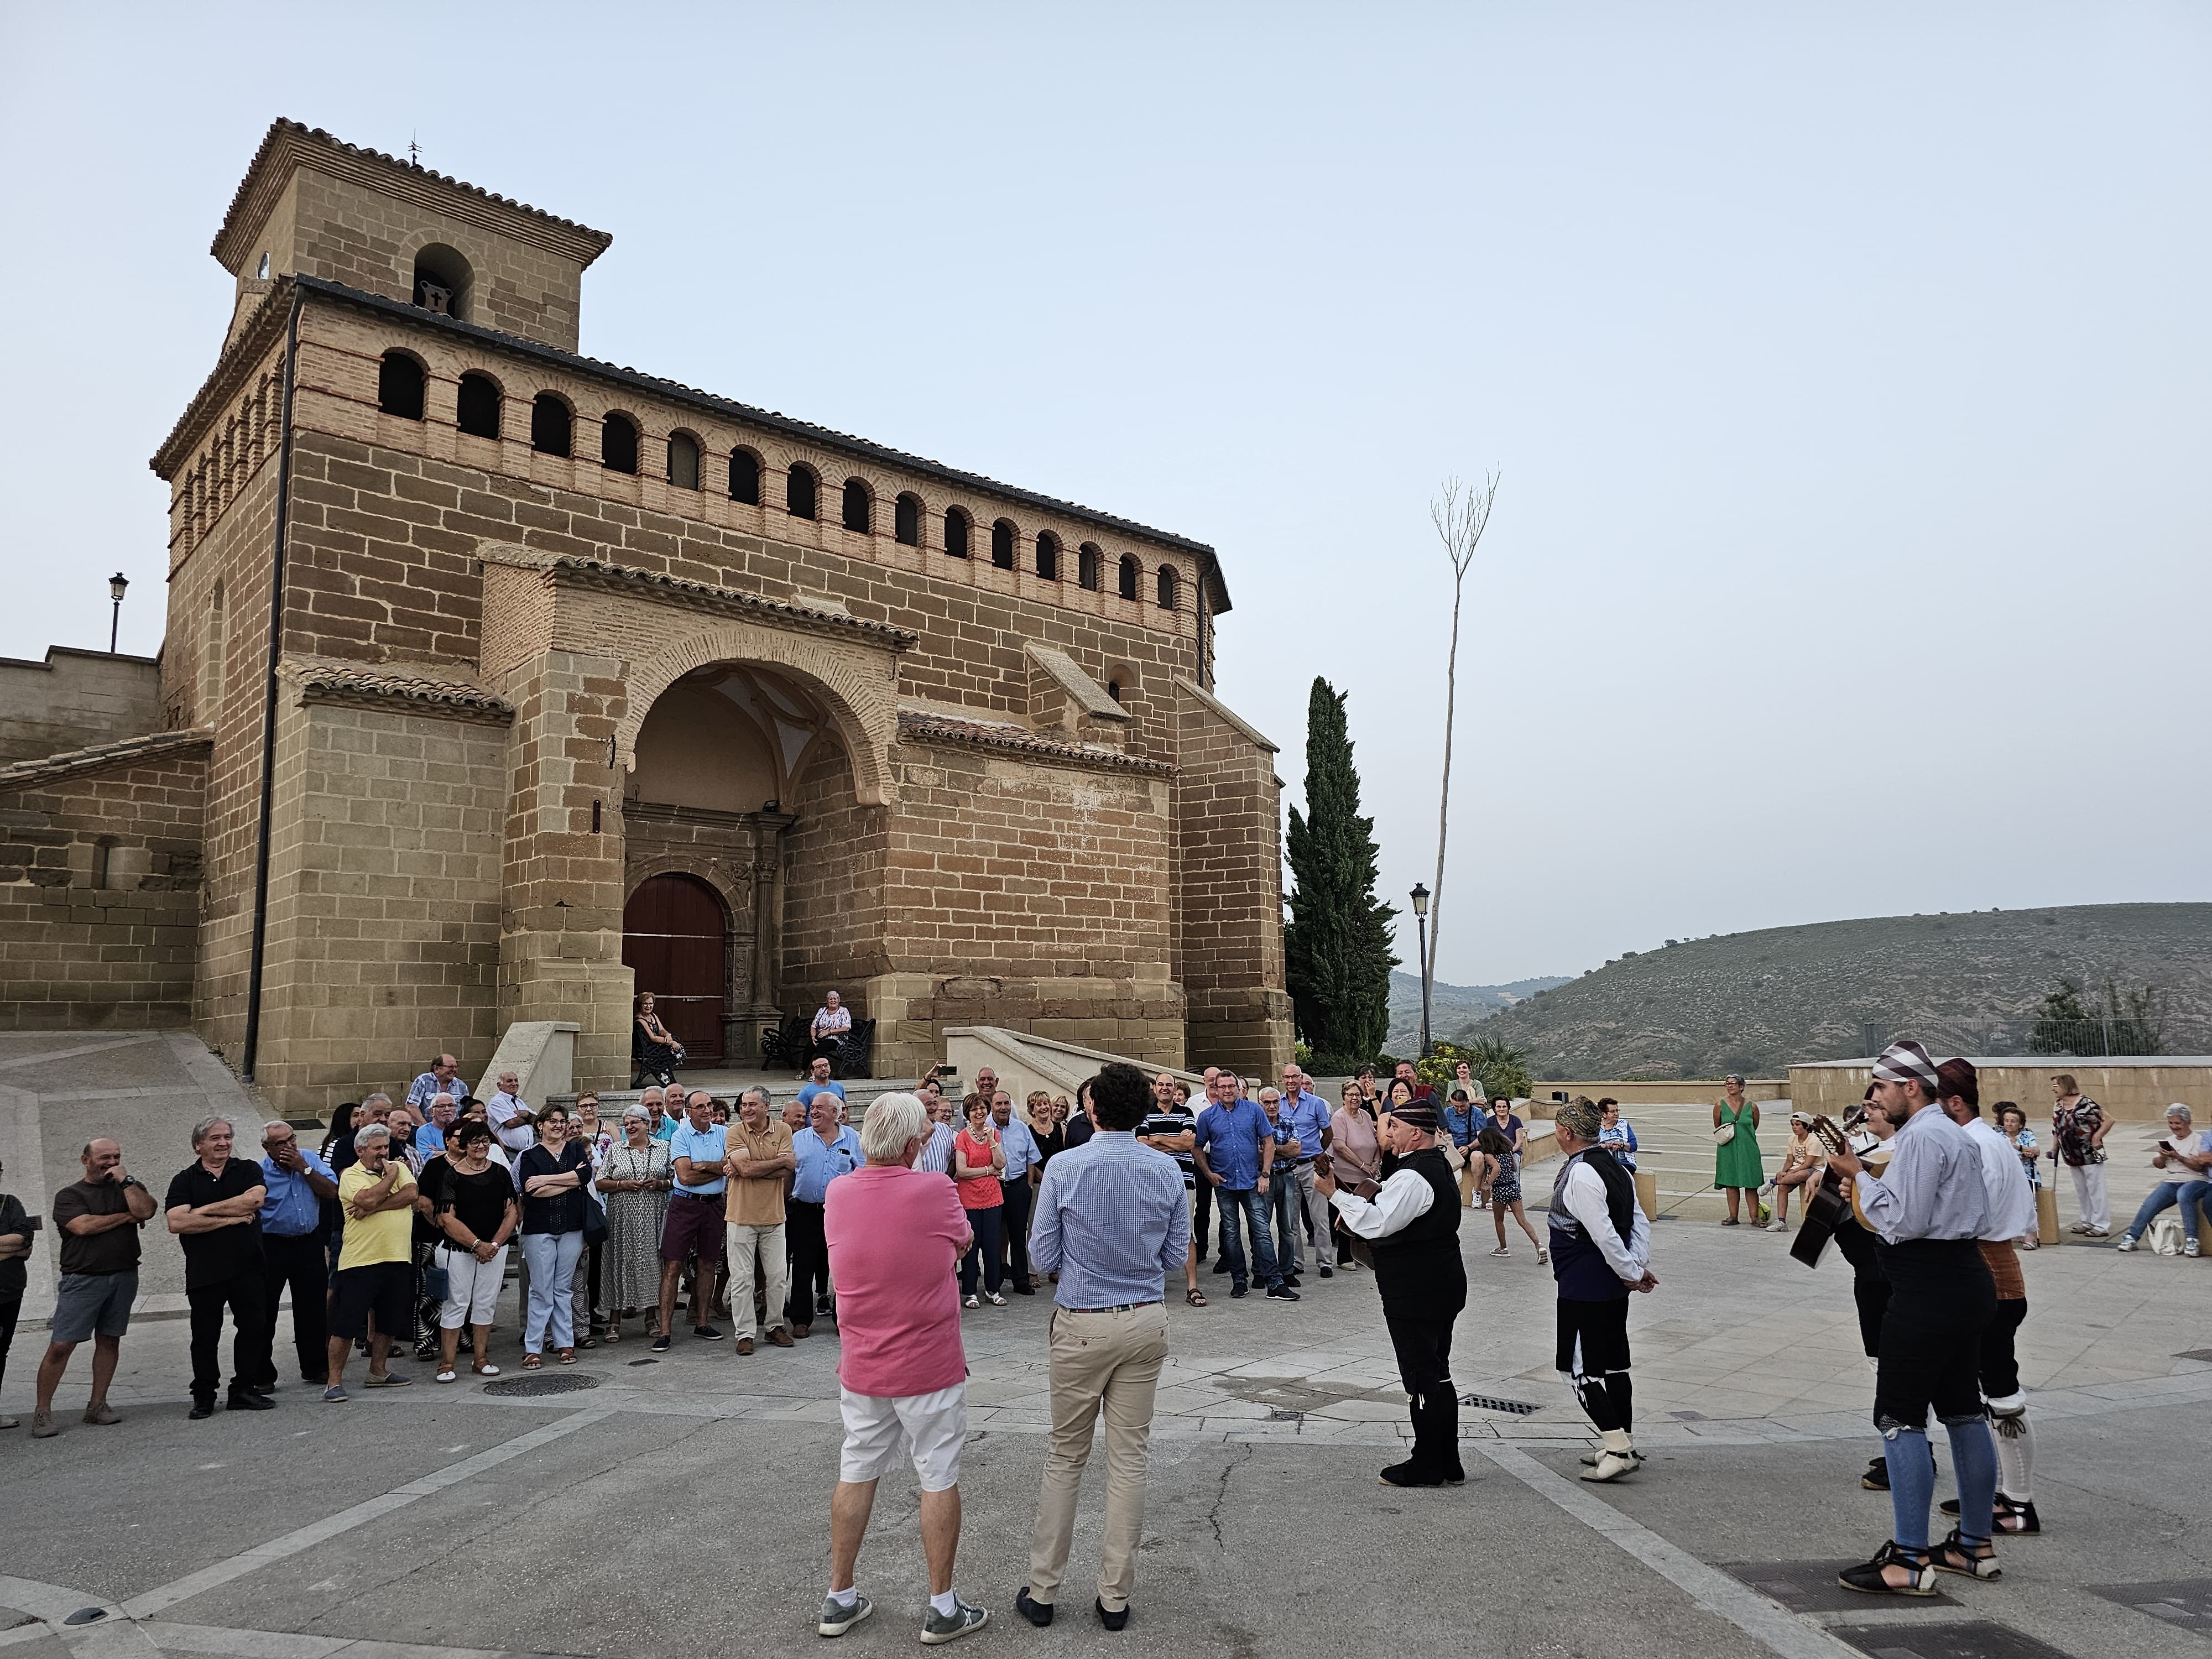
[97,1220]
[215,1209]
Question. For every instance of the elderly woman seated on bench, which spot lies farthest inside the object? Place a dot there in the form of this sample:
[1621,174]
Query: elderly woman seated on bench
[826,1037]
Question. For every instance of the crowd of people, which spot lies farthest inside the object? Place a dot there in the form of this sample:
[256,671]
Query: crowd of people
[395,1234]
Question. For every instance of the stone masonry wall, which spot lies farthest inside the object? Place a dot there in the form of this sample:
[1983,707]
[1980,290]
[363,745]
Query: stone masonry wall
[73,700]
[1228,891]
[1029,894]
[384,900]
[389,512]
[349,233]
[78,950]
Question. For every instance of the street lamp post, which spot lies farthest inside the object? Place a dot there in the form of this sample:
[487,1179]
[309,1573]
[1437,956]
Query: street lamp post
[116,584]
[1421,922]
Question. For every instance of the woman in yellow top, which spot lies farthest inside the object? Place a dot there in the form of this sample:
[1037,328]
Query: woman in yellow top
[1802,1160]
[1737,1169]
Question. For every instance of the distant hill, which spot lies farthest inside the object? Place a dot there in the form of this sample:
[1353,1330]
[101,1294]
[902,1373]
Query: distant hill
[1449,1006]
[1754,1002]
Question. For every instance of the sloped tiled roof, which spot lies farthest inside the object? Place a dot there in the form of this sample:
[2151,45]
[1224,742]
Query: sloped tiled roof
[286,140]
[918,727]
[326,680]
[601,573]
[124,751]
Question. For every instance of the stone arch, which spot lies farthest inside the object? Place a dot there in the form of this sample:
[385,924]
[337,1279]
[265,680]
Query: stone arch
[860,705]
[736,904]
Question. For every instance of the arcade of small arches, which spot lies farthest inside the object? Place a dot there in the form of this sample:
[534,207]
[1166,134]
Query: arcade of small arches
[403,384]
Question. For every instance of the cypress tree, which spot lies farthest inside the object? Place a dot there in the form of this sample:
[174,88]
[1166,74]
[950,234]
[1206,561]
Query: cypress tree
[1336,946]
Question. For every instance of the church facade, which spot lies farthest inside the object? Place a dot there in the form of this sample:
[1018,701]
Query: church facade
[502,684]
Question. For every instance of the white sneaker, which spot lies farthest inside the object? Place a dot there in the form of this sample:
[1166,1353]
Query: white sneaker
[2127,1242]
[2189,1246]
[1777,1227]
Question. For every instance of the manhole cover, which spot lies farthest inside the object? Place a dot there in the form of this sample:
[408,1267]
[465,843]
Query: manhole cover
[86,1616]
[541,1385]
[2185,1603]
[1484,1402]
[1810,1586]
[1286,1417]
[1974,1639]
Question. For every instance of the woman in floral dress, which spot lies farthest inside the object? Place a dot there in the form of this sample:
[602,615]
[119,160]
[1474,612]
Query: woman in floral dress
[634,1179]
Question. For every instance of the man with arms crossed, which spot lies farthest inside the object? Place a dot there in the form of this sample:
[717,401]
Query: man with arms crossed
[99,1218]
[1112,1220]
[893,1234]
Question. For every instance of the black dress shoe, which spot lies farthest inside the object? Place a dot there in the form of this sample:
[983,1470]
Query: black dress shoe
[201,1409]
[251,1403]
[1409,1473]
[1221,1266]
[1290,1282]
[1022,1290]
[1111,1620]
[1327,1272]
[1238,1288]
[1038,1613]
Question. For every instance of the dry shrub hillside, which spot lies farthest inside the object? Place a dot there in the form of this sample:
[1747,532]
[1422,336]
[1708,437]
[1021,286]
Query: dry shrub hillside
[1754,1002]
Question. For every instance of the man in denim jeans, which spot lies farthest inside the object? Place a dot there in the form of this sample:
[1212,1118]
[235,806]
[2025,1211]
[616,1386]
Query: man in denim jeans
[1235,1151]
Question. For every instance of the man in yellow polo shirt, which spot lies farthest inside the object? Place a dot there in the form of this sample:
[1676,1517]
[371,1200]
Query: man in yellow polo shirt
[761,1163]
[376,1264]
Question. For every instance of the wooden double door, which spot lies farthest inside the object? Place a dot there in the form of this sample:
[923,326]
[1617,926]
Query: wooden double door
[676,941]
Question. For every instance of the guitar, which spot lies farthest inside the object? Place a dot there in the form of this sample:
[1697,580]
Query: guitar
[1827,1206]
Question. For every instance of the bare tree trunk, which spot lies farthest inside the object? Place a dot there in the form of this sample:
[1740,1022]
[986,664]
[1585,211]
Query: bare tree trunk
[1461,515]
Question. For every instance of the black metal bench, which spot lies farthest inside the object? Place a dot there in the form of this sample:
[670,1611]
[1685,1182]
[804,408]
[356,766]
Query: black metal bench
[786,1048]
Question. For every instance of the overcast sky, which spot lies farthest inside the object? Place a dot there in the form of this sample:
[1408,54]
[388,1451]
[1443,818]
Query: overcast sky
[1846,366]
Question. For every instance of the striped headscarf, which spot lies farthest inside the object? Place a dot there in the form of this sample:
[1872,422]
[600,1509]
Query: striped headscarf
[1905,1060]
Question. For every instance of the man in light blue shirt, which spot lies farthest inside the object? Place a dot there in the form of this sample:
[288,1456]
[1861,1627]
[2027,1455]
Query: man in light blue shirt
[1235,1152]
[444,1078]
[1305,1113]
[1016,1181]
[1113,1222]
[294,1241]
[826,1149]
[698,1159]
[819,1082]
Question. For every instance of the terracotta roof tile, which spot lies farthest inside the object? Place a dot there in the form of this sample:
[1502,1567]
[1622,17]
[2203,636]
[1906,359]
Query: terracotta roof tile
[48,769]
[916,726]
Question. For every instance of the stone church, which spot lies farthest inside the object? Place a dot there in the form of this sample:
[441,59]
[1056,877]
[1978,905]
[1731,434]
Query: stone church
[502,683]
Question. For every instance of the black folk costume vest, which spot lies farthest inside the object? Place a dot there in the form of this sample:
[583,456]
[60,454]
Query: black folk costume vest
[1417,1269]
[1580,1266]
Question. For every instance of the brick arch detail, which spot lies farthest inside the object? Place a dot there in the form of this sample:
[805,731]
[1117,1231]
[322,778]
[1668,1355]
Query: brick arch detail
[860,705]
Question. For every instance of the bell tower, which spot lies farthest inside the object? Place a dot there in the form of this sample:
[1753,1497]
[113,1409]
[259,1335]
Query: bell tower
[313,206]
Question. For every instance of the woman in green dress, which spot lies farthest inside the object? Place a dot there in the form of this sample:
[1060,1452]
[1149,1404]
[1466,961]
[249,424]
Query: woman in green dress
[1737,1169]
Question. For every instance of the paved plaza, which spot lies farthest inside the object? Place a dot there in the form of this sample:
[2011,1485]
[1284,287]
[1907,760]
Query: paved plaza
[679,1507]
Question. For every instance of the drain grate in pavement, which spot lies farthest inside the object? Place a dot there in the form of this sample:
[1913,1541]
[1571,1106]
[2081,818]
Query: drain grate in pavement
[2185,1603]
[1974,1638]
[536,1385]
[1811,1586]
[2202,1355]
[1486,1402]
[1286,1417]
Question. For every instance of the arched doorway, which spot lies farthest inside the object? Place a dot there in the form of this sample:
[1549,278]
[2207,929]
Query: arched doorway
[675,940]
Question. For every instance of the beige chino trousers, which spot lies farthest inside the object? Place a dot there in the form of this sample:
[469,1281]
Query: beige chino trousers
[746,1244]
[1108,1364]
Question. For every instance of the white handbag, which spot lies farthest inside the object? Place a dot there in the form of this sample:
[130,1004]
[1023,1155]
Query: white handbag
[1724,1134]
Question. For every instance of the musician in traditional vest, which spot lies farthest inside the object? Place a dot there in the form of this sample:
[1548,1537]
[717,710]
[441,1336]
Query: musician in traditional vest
[1928,1211]
[1601,1251]
[2012,1214]
[1410,1225]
